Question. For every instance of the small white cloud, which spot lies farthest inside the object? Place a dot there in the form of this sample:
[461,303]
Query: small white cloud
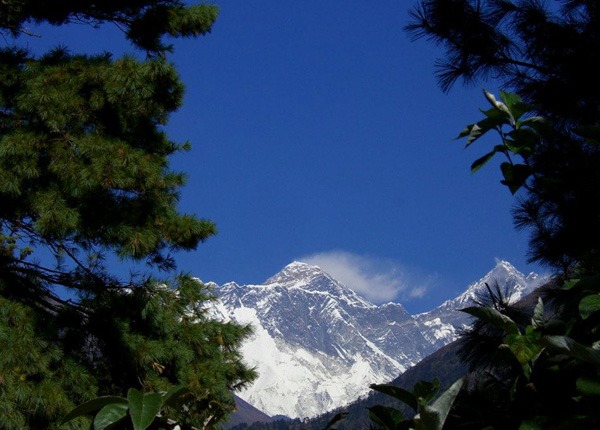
[377,280]
[417,292]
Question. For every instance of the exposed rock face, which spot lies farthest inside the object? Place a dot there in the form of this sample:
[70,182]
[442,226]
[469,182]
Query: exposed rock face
[317,345]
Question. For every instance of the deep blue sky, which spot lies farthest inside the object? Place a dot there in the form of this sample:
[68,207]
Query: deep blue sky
[319,128]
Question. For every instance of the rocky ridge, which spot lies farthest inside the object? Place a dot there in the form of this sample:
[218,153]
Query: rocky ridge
[318,345]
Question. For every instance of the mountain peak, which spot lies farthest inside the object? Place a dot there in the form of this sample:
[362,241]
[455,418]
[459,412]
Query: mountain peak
[316,342]
[505,266]
[296,272]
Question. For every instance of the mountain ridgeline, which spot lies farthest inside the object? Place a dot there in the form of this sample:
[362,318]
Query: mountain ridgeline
[317,345]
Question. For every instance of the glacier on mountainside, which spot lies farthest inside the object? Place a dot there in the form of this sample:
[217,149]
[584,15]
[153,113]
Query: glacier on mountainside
[318,345]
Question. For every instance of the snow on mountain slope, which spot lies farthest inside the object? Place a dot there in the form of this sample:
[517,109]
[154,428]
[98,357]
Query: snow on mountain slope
[317,345]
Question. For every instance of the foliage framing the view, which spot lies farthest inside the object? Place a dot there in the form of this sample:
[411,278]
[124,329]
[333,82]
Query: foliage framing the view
[138,411]
[519,361]
[431,412]
[544,373]
[542,51]
[85,179]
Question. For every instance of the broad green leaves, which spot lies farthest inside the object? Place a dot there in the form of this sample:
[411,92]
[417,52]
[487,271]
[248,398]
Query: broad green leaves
[110,415]
[494,317]
[143,409]
[385,416]
[589,305]
[573,349]
[525,348]
[587,288]
[93,406]
[519,136]
[589,386]
[538,320]
[430,416]
[515,175]
[398,393]
[337,417]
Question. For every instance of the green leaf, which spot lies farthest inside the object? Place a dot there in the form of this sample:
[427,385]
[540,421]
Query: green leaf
[480,162]
[589,284]
[445,401]
[495,103]
[569,284]
[514,104]
[494,317]
[472,132]
[538,320]
[110,415]
[428,419]
[515,175]
[496,114]
[533,122]
[533,424]
[522,141]
[337,417]
[171,396]
[588,386]
[589,305]
[426,390]
[572,348]
[475,131]
[465,131]
[92,406]
[387,417]
[143,408]
[398,393]
[524,347]
[433,417]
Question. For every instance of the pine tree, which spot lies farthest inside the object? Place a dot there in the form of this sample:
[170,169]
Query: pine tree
[84,177]
[542,51]
[544,373]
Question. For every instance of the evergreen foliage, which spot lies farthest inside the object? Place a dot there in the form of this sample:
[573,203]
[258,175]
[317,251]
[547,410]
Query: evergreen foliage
[531,366]
[535,369]
[542,51]
[538,369]
[544,373]
[479,344]
[85,179]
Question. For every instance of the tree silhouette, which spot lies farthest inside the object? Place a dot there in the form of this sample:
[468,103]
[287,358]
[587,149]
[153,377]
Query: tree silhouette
[85,185]
[543,52]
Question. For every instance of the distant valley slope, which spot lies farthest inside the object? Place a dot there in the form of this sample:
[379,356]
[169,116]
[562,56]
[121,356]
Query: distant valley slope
[317,345]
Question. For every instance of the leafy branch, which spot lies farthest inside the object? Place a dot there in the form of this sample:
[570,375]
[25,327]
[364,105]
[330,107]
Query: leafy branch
[430,414]
[519,133]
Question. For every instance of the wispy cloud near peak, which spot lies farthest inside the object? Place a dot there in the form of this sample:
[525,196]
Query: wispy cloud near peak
[378,280]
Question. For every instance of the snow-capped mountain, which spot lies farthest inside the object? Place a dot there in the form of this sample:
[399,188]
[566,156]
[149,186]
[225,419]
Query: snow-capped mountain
[443,324]
[317,345]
